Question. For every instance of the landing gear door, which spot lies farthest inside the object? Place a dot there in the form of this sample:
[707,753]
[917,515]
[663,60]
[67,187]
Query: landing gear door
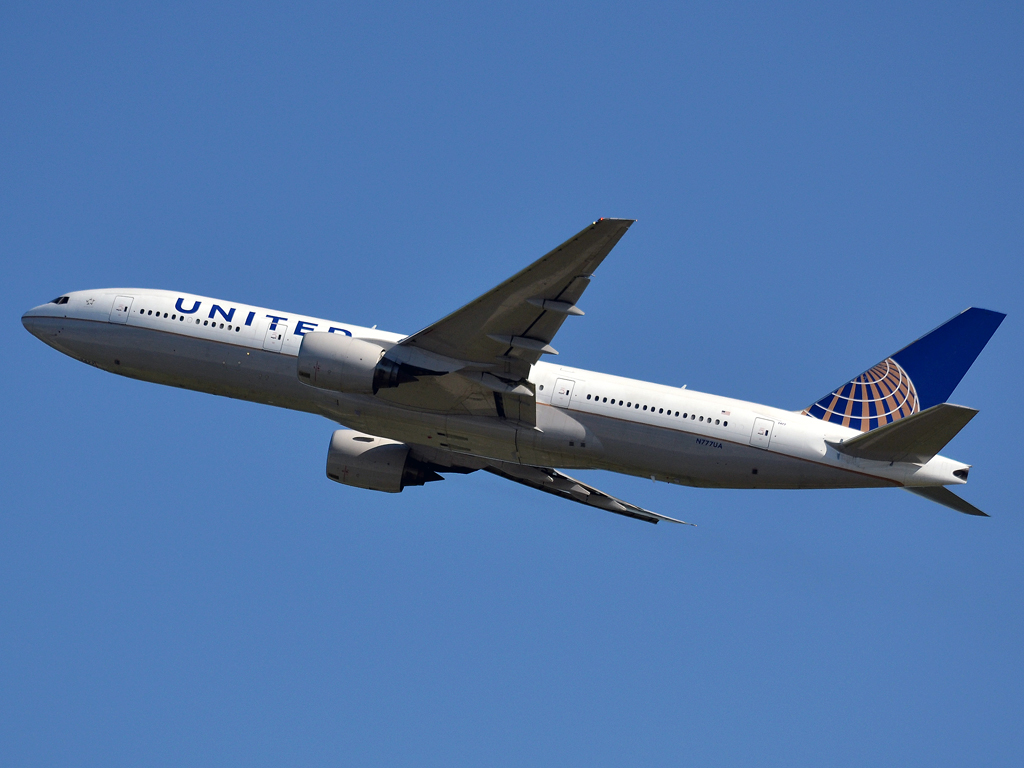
[761,435]
[121,309]
[275,338]
[563,393]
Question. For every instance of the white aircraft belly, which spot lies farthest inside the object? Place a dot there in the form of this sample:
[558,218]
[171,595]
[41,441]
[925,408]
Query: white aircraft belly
[186,361]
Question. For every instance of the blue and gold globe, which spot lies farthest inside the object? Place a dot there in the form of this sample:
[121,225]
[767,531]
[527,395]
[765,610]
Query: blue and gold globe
[878,396]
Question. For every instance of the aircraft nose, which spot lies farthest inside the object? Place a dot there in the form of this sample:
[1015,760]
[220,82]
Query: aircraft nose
[35,319]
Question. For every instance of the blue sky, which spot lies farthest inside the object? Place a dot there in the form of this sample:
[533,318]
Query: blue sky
[815,187]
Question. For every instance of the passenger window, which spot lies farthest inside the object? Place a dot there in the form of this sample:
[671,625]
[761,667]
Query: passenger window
[661,410]
[716,422]
[165,314]
[725,423]
[702,418]
[206,322]
[588,397]
[605,400]
[645,407]
[151,311]
[677,413]
[628,405]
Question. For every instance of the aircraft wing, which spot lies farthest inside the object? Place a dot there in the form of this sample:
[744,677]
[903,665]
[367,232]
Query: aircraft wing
[541,478]
[554,482]
[505,331]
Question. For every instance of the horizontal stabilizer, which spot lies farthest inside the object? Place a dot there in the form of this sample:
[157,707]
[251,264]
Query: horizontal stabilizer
[942,495]
[916,438]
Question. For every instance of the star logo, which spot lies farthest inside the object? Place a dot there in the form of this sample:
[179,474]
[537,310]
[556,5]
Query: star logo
[90,302]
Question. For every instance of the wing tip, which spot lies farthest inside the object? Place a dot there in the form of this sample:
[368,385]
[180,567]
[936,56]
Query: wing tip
[659,517]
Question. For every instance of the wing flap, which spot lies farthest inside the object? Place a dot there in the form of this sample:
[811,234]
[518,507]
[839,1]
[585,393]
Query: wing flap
[915,438]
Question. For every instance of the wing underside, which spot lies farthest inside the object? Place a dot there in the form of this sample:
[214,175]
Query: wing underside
[543,479]
[554,482]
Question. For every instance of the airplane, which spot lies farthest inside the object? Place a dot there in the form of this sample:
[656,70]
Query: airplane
[470,392]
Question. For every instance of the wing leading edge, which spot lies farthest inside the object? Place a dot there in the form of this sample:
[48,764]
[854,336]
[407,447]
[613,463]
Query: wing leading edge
[506,330]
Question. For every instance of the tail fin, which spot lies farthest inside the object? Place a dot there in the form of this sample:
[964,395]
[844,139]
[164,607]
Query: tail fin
[922,374]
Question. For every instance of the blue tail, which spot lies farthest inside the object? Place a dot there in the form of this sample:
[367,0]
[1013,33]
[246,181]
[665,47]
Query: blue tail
[920,375]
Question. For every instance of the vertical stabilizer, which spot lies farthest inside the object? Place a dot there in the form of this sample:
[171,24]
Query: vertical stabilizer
[919,376]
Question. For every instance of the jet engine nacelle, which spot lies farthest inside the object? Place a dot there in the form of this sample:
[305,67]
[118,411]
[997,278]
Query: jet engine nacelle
[353,366]
[374,463]
[339,362]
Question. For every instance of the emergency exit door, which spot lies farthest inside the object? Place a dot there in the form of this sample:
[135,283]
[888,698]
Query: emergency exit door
[563,393]
[761,436]
[275,338]
[121,309]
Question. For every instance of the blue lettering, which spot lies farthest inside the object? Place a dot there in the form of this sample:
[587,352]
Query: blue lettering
[708,443]
[227,315]
[339,330]
[195,306]
[274,321]
[301,329]
[248,320]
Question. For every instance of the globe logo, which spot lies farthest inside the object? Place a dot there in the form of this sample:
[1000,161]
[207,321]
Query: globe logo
[878,396]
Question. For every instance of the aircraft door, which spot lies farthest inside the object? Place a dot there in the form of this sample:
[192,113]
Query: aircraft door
[563,393]
[275,338]
[761,435]
[122,308]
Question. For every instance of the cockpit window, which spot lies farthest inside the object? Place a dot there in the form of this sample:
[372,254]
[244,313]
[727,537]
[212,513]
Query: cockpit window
[60,300]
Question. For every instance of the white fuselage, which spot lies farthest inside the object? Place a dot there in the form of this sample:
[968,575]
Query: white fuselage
[585,419]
